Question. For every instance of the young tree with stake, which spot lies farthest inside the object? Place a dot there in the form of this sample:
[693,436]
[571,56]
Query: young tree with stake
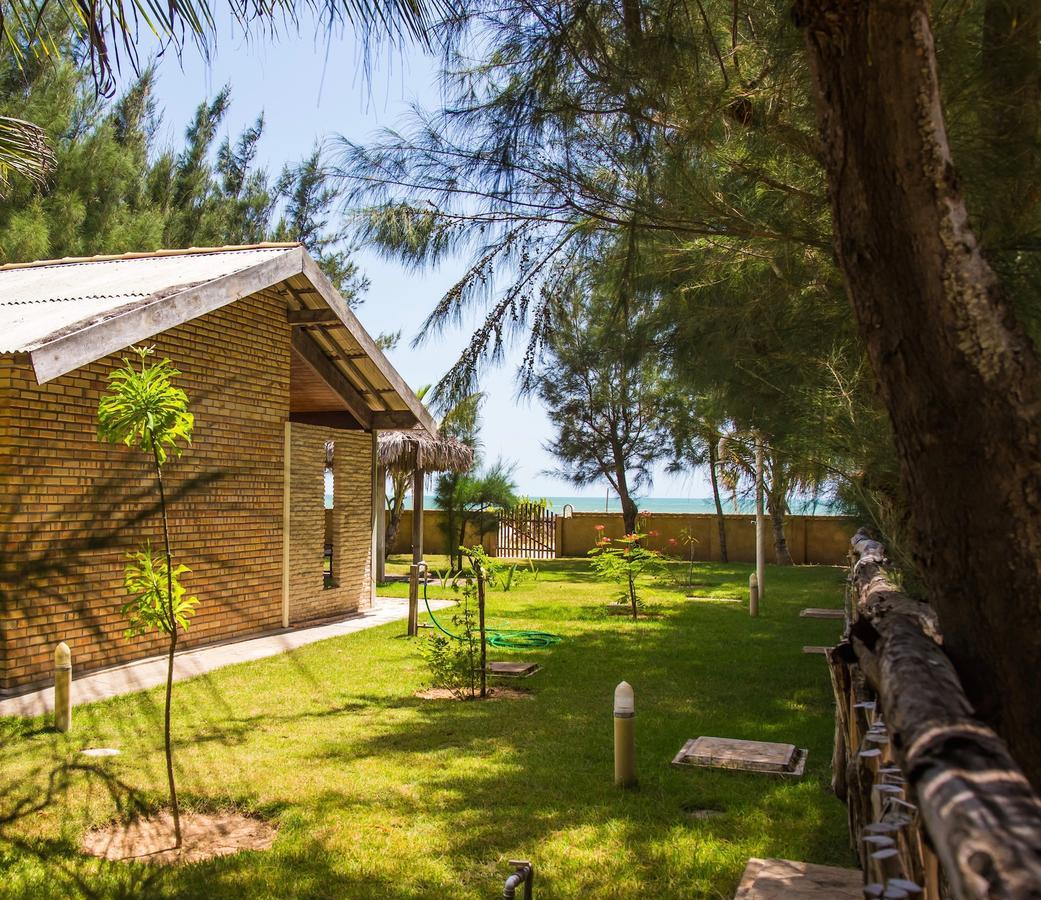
[146,411]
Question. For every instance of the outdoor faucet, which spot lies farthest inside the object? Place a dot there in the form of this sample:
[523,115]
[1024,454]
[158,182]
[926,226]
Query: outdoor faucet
[525,875]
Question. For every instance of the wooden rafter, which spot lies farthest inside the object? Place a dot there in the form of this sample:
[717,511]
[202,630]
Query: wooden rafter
[315,358]
[310,316]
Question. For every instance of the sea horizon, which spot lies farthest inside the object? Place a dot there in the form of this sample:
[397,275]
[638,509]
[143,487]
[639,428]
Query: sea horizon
[664,505]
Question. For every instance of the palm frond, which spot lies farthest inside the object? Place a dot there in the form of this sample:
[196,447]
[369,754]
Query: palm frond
[24,151]
[111,29]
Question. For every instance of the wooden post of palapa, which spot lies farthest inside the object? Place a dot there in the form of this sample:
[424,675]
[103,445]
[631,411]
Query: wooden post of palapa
[413,600]
[381,524]
[417,516]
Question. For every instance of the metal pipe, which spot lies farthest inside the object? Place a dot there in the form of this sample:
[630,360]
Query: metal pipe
[525,875]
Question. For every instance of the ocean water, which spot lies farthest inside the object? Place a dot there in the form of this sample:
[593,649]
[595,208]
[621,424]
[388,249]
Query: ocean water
[666,505]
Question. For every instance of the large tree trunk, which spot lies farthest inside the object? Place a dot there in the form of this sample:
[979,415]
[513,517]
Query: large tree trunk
[782,555]
[630,511]
[777,507]
[959,377]
[721,523]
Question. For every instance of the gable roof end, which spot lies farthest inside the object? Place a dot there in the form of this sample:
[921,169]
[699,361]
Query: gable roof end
[67,313]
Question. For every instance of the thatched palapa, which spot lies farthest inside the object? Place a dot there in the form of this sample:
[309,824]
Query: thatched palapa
[405,451]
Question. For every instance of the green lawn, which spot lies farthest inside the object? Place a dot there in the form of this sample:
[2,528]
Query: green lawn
[379,793]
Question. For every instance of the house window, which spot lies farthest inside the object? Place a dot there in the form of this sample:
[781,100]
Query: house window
[329,505]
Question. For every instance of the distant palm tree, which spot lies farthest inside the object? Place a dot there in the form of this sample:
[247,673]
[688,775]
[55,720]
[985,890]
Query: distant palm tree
[109,30]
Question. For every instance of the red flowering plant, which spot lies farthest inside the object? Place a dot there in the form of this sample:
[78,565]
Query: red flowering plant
[623,561]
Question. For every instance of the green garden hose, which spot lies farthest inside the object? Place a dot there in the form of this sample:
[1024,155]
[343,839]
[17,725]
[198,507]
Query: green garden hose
[504,638]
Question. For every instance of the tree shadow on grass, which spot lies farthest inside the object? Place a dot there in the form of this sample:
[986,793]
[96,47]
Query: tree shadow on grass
[472,784]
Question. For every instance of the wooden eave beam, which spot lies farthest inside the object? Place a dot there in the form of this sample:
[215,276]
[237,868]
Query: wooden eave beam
[332,297]
[310,316]
[393,420]
[315,358]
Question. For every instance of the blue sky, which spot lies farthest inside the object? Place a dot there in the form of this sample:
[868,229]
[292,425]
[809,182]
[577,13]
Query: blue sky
[310,89]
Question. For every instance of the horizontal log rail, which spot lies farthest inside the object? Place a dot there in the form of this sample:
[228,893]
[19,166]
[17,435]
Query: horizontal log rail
[910,755]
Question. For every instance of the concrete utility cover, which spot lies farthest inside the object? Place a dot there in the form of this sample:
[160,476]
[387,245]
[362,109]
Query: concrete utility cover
[512,669]
[823,614]
[782,879]
[745,756]
[812,649]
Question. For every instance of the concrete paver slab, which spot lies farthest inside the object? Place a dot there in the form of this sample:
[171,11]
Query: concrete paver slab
[783,879]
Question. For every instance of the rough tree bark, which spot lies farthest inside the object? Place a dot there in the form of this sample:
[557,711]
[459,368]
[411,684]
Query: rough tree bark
[777,488]
[959,377]
[630,511]
[782,554]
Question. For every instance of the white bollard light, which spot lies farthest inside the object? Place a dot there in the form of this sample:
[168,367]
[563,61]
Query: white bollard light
[624,738]
[62,687]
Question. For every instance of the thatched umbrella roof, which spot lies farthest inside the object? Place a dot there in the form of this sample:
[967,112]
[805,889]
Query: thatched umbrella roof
[403,451]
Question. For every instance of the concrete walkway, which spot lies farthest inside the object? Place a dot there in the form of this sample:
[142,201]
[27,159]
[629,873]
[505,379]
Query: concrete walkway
[148,673]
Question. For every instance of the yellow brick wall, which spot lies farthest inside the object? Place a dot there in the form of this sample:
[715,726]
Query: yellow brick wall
[71,505]
[351,522]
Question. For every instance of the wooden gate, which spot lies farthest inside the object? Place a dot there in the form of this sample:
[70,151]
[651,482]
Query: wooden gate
[528,532]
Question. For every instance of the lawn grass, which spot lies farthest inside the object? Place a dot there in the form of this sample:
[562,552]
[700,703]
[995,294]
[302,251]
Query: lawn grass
[379,793]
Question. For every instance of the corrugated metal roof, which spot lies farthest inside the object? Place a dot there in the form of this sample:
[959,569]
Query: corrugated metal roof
[40,300]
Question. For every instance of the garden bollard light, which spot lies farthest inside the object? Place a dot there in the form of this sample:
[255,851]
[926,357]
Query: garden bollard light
[62,687]
[753,595]
[624,739]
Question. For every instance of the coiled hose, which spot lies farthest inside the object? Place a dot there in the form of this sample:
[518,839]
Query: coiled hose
[504,638]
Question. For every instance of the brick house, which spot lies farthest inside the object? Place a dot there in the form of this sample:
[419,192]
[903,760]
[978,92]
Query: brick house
[288,392]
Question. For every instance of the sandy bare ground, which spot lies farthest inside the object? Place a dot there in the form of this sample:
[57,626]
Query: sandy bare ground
[495,693]
[206,835]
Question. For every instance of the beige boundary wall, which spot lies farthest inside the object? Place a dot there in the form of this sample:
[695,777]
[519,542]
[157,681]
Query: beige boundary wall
[820,540]
[435,541]
[811,539]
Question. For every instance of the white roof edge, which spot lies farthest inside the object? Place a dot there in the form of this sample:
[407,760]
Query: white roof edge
[67,352]
[55,357]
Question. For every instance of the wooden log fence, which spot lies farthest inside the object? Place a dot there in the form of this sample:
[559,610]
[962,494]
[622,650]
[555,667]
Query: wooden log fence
[937,807]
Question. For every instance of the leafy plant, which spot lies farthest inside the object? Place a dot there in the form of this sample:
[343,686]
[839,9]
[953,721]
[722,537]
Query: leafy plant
[534,570]
[508,577]
[149,609]
[453,662]
[144,410]
[623,561]
[460,664]
[687,537]
[516,573]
